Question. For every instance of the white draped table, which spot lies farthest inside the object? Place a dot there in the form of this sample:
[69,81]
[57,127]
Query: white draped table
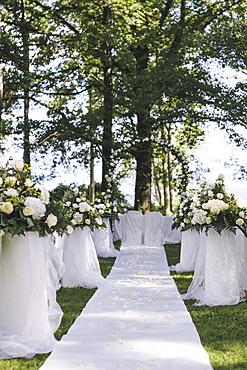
[103,241]
[80,260]
[29,313]
[220,275]
[190,240]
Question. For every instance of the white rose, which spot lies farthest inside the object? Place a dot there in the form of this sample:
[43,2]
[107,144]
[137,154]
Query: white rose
[7,207]
[11,192]
[87,221]
[182,224]
[101,211]
[75,205]
[98,221]
[69,229]
[220,196]
[239,221]
[51,220]
[75,190]
[241,214]
[208,220]
[11,180]
[28,211]
[210,193]
[45,196]
[74,222]
[78,217]
[18,165]
[28,183]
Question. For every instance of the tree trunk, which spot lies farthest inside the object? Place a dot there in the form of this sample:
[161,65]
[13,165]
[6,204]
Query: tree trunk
[1,102]
[144,163]
[108,102]
[26,89]
[143,153]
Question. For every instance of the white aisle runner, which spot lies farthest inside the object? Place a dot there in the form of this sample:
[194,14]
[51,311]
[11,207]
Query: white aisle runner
[139,323]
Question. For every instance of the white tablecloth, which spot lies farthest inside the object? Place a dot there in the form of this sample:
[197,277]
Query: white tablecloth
[220,270]
[80,260]
[103,241]
[189,251]
[29,313]
[170,236]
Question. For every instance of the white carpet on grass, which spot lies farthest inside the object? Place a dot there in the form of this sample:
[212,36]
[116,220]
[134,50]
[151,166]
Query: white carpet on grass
[139,322]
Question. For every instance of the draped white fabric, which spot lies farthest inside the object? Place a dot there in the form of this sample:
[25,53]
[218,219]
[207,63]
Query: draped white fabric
[189,251]
[133,231]
[80,259]
[170,235]
[29,313]
[103,241]
[119,227]
[152,229]
[220,270]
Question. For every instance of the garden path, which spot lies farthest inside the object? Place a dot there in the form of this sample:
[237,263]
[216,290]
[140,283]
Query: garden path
[137,322]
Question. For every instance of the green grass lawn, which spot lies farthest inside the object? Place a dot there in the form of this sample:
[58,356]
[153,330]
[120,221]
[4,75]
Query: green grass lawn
[222,329]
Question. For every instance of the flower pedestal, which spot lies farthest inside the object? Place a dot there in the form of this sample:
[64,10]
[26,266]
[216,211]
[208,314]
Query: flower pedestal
[103,241]
[80,260]
[220,270]
[27,320]
[189,251]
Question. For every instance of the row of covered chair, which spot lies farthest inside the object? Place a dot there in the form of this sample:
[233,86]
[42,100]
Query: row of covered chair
[154,229]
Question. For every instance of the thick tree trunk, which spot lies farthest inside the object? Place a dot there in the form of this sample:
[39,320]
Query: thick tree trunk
[144,162]
[25,69]
[143,153]
[108,103]
[1,100]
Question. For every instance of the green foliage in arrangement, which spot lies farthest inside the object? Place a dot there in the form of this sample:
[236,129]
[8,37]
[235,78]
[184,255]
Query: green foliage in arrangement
[222,329]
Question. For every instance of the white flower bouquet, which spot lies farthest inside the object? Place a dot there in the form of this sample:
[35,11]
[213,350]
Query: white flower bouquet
[210,207]
[25,205]
[78,210]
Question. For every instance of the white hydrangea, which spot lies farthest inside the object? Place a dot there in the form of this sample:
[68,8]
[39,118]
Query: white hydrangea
[37,205]
[199,217]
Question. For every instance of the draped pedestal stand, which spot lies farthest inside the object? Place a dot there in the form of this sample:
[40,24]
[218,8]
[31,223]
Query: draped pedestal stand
[29,313]
[103,241]
[80,260]
[220,275]
[190,240]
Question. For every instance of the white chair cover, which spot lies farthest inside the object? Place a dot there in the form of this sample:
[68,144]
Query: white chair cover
[153,222]
[29,313]
[80,259]
[189,251]
[221,269]
[118,227]
[170,235]
[133,232]
[103,241]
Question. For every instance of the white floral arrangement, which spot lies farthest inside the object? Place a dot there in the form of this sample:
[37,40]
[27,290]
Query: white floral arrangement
[210,207]
[25,205]
[105,207]
[79,211]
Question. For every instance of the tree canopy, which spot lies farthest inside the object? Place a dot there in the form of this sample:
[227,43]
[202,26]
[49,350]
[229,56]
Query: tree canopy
[129,82]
